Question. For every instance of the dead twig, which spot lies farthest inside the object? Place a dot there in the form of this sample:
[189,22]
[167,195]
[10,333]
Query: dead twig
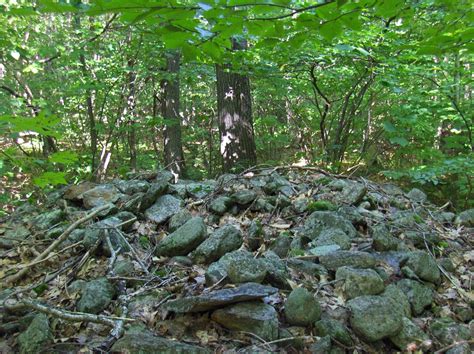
[54,245]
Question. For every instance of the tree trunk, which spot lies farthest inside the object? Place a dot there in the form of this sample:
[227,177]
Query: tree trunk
[89,102]
[174,159]
[234,107]
[131,131]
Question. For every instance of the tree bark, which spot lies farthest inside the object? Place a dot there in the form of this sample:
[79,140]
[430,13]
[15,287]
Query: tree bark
[173,148]
[234,105]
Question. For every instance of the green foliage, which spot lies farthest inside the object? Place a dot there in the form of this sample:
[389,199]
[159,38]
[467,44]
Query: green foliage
[396,79]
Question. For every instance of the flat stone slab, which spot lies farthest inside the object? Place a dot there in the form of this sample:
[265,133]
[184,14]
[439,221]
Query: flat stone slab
[220,298]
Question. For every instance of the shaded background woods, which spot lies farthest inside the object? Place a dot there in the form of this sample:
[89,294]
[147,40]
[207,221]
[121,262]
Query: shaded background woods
[93,89]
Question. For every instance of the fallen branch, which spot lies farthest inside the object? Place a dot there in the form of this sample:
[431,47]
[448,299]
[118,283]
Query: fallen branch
[69,315]
[54,245]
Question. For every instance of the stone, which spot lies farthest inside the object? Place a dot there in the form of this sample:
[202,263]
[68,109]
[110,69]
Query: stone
[373,317]
[307,267]
[139,339]
[281,245]
[419,295]
[244,197]
[322,346]
[418,238]
[75,192]
[301,308]
[179,219]
[255,235]
[220,298]
[356,259]
[124,268]
[322,220]
[247,269]
[47,220]
[156,190]
[424,266]
[383,241]
[358,282]
[254,317]
[220,205]
[37,336]
[223,240]
[277,273]
[164,207]
[96,296]
[334,329]
[333,237]
[324,250]
[165,176]
[337,185]
[131,187]
[447,331]
[353,193]
[402,304]
[100,195]
[199,190]
[218,270]
[465,218]
[184,240]
[14,234]
[410,333]
[417,196]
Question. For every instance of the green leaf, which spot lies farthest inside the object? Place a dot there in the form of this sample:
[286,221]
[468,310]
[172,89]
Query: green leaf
[63,157]
[399,141]
[331,30]
[50,178]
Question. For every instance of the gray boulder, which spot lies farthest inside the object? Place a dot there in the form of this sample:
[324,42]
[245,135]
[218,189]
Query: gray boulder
[220,205]
[410,333]
[220,298]
[244,197]
[424,266]
[225,239]
[247,269]
[357,259]
[96,296]
[47,220]
[419,295]
[465,218]
[335,329]
[277,272]
[254,317]
[255,235]
[138,339]
[333,237]
[383,241]
[179,219]
[183,240]
[447,331]
[374,318]
[353,193]
[301,308]
[149,198]
[37,335]
[358,282]
[164,207]
[417,196]
[132,186]
[100,195]
[14,234]
[322,220]
[401,301]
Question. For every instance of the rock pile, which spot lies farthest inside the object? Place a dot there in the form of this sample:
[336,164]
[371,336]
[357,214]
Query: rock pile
[260,261]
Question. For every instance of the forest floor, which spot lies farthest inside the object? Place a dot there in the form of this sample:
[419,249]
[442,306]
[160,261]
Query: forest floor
[280,259]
